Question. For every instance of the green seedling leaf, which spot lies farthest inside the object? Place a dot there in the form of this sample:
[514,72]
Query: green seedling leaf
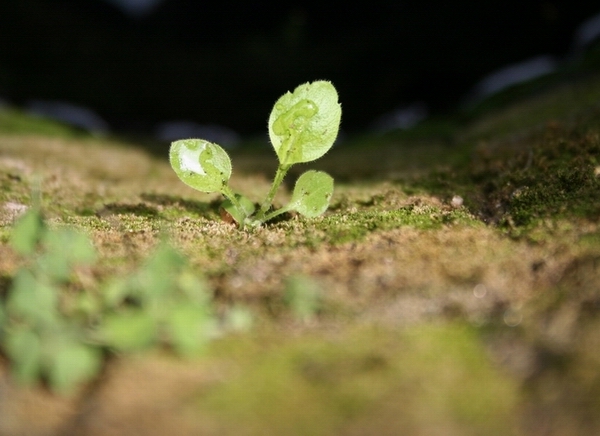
[312,193]
[296,118]
[116,291]
[72,364]
[200,164]
[190,327]
[73,245]
[248,208]
[303,125]
[65,248]
[164,260]
[23,347]
[32,299]
[27,232]
[128,331]
[88,304]
[156,277]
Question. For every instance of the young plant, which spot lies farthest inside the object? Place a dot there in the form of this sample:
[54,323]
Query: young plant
[303,126]
[53,328]
[36,334]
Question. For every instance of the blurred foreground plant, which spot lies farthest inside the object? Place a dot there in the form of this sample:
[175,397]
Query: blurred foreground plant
[55,329]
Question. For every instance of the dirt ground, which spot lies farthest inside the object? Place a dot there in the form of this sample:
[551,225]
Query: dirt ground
[458,284]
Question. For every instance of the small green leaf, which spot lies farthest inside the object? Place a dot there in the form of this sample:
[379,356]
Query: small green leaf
[23,347]
[88,304]
[65,248]
[72,244]
[190,327]
[27,232]
[312,193]
[72,364]
[200,164]
[32,299]
[247,205]
[303,125]
[128,331]
[156,277]
[295,118]
[116,291]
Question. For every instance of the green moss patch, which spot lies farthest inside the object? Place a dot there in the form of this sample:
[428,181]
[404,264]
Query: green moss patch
[363,381]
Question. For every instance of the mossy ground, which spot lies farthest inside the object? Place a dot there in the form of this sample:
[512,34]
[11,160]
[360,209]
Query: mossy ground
[436,317]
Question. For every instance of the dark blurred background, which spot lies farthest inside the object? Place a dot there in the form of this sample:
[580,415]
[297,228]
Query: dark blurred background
[226,62]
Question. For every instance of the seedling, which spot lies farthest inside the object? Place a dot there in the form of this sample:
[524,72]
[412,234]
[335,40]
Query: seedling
[303,126]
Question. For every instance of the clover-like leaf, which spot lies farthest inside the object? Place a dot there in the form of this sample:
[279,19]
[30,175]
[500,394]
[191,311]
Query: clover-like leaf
[303,125]
[312,193]
[200,164]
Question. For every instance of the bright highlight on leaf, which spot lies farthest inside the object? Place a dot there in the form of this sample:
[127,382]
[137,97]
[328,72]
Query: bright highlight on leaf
[303,126]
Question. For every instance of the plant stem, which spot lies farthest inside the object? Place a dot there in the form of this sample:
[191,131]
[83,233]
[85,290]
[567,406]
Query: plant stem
[275,213]
[230,195]
[279,176]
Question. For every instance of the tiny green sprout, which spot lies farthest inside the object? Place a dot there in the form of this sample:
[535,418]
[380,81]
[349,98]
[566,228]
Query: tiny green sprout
[303,126]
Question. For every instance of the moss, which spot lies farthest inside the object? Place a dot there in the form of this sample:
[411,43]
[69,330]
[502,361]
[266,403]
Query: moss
[553,178]
[15,122]
[549,173]
[354,226]
[359,381]
[591,239]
